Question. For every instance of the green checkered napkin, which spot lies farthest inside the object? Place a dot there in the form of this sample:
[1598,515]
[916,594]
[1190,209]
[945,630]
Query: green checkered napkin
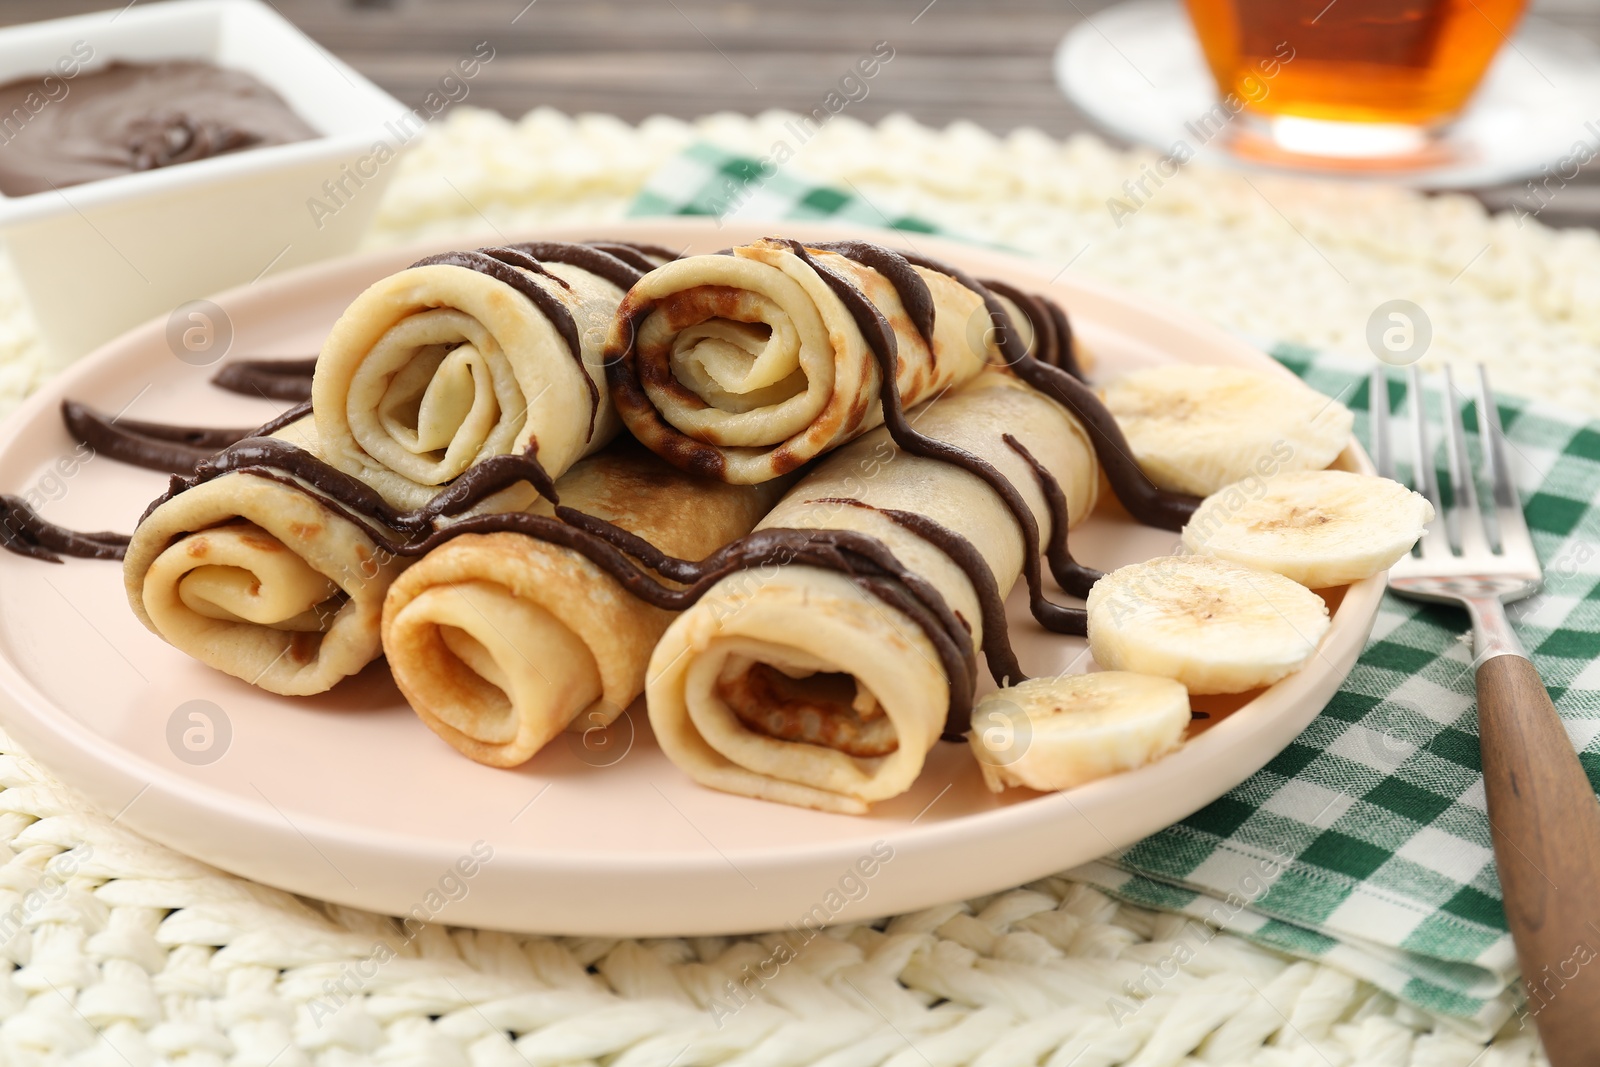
[1364,844]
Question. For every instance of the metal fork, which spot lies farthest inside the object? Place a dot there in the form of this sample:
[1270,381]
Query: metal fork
[1543,816]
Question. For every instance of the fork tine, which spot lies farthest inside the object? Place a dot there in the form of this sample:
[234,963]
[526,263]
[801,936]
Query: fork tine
[1493,446]
[1470,533]
[1378,422]
[1510,524]
[1437,540]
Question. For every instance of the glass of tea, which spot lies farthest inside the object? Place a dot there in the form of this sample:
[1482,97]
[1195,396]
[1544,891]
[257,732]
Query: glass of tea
[1352,78]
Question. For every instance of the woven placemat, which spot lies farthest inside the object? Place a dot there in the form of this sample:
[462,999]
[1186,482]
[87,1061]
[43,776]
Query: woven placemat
[123,952]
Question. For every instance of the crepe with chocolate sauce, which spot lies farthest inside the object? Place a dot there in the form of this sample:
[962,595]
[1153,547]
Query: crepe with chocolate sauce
[500,641]
[744,365]
[468,355]
[793,682]
[258,579]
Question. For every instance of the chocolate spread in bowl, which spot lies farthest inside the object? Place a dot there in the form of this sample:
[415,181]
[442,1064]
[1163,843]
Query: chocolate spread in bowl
[126,117]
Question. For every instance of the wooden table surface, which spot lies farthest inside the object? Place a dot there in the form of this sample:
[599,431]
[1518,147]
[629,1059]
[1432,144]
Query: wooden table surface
[984,60]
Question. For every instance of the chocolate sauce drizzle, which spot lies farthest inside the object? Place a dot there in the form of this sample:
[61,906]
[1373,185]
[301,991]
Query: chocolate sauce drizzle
[274,457]
[275,379]
[997,650]
[640,254]
[1066,340]
[1075,578]
[159,446]
[1052,332]
[908,284]
[598,261]
[22,531]
[152,445]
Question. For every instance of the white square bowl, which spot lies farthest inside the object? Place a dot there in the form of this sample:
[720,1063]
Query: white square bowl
[98,258]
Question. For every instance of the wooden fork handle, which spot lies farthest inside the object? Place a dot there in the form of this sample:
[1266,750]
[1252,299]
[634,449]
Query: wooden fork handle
[1545,824]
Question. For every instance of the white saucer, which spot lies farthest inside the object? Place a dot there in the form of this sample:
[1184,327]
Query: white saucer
[1137,70]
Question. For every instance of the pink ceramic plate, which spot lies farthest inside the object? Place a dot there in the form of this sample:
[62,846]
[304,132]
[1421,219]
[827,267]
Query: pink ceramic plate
[348,797]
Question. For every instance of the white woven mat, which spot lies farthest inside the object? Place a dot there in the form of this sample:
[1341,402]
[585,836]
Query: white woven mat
[117,951]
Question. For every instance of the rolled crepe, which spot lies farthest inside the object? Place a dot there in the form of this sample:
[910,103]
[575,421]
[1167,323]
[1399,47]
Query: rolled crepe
[501,641]
[793,683]
[478,354]
[261,580]
[744,366]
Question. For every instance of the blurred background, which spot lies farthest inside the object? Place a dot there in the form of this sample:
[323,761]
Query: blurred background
[987,61]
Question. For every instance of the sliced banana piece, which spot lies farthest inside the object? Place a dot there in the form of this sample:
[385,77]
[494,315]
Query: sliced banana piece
[1195,429]
[1319,528]
[1214,625]
[1056,733]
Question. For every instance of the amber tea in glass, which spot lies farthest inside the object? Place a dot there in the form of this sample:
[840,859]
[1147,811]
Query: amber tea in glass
[1400,62]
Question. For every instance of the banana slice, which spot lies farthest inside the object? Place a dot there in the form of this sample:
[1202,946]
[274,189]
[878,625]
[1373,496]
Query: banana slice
[1215,626]
[1319,528]
[1195,429]
[1056,733]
